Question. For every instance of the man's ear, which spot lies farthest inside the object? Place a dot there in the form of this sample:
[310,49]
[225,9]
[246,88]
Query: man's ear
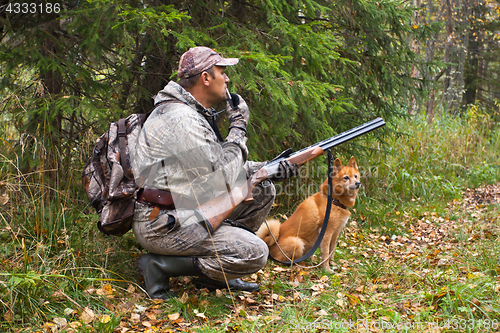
[205,78]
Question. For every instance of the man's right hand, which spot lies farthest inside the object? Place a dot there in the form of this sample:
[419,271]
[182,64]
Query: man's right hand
[239,114]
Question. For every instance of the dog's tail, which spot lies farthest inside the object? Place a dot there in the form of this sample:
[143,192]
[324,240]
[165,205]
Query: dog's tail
[264,231]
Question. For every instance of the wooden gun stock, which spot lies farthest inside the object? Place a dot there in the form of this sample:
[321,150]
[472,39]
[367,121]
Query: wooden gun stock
[306,156]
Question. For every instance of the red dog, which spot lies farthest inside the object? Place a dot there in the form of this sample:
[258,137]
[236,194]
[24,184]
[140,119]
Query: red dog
[298,234]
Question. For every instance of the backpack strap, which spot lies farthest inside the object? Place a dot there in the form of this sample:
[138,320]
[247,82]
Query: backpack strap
[122,143]
[213,123]
[122,138]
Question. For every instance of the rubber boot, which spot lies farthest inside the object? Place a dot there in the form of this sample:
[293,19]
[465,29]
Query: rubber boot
[158,269]
[234,285]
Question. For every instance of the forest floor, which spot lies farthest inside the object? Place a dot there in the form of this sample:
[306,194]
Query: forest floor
[438,273]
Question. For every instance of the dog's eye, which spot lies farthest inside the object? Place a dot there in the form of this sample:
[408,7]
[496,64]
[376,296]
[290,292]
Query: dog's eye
[346,177]
[356,176]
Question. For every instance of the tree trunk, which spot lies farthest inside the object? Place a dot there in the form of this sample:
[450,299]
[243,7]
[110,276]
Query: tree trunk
[415,46]
[158,65]
[50,123]
[471,64]
[429,56]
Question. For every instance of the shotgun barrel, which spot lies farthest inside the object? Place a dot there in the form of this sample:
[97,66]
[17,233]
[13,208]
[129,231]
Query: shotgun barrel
[272,166]
[214,212]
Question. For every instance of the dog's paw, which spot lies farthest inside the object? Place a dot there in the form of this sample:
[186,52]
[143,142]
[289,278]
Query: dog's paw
[330,267]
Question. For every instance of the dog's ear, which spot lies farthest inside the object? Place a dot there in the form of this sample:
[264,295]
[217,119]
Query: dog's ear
[337,166]
[352,163]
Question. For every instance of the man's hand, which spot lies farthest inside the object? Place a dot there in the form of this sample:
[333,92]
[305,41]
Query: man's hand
[238,114]
[286,170]
[238,119]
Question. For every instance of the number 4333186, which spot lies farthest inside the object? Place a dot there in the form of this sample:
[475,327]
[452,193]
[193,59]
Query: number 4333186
[33,8]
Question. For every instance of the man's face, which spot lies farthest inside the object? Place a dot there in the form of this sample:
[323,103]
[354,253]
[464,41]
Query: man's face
[218,85]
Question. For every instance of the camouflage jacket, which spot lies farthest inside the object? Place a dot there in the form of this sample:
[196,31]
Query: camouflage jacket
[178,140]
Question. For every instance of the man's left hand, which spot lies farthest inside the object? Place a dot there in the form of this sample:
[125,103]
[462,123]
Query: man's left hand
[286,170]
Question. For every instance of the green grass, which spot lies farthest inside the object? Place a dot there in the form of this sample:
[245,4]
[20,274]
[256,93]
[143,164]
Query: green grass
[54,262]
[429,165]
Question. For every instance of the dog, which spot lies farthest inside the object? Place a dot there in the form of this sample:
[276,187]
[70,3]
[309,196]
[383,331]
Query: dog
[298,234]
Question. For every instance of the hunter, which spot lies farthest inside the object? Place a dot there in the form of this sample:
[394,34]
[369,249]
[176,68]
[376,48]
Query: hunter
[180,161]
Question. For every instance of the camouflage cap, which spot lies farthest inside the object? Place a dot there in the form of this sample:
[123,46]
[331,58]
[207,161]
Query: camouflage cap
[199,59]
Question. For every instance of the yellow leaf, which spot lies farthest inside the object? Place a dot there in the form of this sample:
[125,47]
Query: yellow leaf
[105,290]
[105,319]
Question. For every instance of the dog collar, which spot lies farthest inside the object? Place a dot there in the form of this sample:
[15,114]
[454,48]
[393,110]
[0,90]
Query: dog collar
[337,203]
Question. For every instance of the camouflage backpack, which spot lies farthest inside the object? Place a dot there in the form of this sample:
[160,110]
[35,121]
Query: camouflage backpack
[108,179]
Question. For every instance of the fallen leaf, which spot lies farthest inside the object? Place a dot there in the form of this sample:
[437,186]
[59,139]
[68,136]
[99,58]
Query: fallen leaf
[151,316]
[87,316]
[322,313]
[184,298]
[105,290]
[353,300]
[8,315]
[75,324]
[69,312]
[139,308]
[199,314]
[135,318]
[131,288]
[4,198]
[340,302]
[174,316]
[90,291]
[60,322]
[57,296]
[105,319]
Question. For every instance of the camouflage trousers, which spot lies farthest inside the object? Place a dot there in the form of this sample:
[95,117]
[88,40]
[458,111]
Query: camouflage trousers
[231,251]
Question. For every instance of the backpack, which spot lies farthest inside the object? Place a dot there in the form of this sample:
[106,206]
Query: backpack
[108,179]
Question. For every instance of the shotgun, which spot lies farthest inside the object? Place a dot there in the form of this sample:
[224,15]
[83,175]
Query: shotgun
[215,211]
